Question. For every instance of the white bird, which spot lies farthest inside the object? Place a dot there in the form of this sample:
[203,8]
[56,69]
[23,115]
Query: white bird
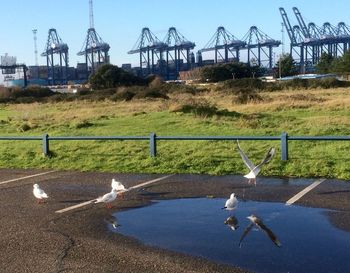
[259,223]
[107,198]
[39,193]
[231,204]
[118,187]
[254,170]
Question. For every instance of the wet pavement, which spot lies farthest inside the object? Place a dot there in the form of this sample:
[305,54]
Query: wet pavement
[34,238]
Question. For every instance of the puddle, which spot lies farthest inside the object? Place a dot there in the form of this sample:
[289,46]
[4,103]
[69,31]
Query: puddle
[309,242]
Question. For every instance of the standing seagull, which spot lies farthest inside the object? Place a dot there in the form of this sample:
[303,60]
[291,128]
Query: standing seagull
[107,198]
[118,187]
[259,223]
[254,170]
[39,193]
[231,204]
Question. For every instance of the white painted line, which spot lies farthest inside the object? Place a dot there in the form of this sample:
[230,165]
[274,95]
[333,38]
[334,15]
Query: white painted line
[131,188]
[25,177]
[304,191]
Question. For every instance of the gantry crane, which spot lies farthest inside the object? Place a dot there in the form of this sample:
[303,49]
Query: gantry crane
[256,39]
[149,47]
[94,48]
[56,73]
[225,46]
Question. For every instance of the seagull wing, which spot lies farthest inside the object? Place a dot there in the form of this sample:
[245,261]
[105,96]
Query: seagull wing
[269,233]
[269,155]
[108,197]
[39,193]
[246,231]
[245,158]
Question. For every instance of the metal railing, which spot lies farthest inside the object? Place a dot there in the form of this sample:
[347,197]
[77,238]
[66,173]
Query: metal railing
[284,138]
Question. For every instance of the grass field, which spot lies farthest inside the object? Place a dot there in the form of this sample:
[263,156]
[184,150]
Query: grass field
[298,112]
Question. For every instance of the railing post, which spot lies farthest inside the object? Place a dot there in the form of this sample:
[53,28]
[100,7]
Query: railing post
[284,146]
[46,150]
[153,144]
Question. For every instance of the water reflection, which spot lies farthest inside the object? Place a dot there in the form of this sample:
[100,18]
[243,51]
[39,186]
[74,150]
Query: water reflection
[255,220]
[195,226]
[232,222]
[112,220]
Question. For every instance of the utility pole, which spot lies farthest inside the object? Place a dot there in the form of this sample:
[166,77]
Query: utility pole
[280,67]
[35,47]
[282,30]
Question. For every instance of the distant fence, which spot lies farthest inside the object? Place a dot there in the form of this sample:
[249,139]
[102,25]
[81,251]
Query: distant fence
[284,138]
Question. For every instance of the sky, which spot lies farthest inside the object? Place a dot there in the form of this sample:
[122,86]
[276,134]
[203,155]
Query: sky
[119,22]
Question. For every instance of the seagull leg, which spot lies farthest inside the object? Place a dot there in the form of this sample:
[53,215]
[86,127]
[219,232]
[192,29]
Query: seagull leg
[109,206]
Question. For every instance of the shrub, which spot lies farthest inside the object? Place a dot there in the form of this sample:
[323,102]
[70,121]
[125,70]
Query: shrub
[151,93]
[123,94]
[246,95]
[82,124]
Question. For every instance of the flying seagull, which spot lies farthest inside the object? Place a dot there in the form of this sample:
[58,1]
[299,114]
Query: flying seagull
[107,198]
[232,222]
[39,193]
[254,170]
[231,203]
[259,223]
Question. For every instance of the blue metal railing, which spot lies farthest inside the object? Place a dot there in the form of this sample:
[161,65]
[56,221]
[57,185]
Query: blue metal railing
[153,138]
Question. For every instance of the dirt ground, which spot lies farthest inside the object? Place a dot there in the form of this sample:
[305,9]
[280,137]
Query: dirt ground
[34,238]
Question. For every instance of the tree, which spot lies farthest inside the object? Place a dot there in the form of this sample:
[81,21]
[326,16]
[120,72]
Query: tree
[325,64]
[341,64]
[286,66]
[227,71]
[110,76]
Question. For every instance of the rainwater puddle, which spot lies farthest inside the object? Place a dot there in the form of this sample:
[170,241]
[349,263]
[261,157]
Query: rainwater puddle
[310,243]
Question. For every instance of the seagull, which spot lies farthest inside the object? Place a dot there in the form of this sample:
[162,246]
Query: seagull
[254,170]
[232,222]
[118,187]
[113,221]
[259,223]
[39,193]
[231,204]
[107,198]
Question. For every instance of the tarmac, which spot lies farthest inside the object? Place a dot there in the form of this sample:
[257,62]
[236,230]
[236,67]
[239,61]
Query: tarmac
[36,238]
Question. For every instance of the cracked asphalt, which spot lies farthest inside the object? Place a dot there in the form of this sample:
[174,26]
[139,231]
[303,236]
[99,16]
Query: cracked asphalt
[36,239]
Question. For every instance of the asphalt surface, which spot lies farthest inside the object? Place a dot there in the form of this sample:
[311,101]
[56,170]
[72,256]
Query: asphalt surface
[34,238]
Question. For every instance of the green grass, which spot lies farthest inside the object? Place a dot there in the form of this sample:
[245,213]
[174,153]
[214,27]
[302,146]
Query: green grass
[307,159]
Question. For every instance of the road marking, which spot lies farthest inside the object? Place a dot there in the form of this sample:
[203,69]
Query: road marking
[25,177]
[128,189]
[304,191]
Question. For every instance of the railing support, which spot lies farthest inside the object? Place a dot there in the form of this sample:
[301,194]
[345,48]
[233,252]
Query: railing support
[46,150]
[153,144]
[284,146]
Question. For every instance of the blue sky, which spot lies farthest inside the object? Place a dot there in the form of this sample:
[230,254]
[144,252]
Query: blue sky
[119,23]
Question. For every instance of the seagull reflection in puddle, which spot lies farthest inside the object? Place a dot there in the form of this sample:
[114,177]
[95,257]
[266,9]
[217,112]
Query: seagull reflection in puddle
[110,219]
[232,222]
[259,223]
